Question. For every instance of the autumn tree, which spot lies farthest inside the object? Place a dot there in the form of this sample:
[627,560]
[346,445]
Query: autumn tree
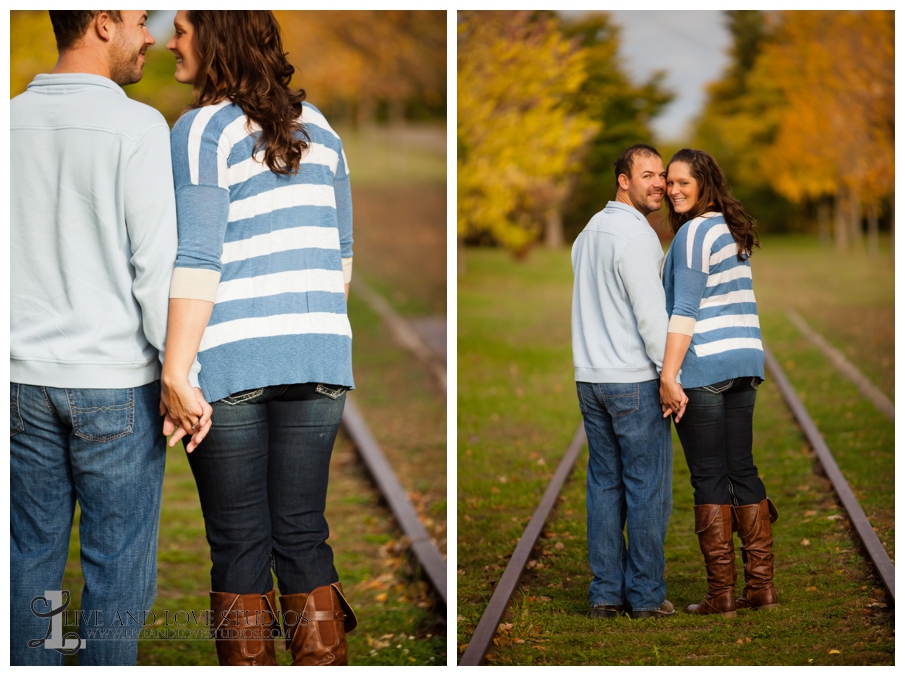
[806,110]
[836,138]
[519,138]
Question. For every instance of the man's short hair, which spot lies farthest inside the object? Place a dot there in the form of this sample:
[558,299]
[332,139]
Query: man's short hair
[626,159]
[70,25]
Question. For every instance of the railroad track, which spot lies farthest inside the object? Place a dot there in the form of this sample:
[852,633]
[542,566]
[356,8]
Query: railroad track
[429,558]
[481,639]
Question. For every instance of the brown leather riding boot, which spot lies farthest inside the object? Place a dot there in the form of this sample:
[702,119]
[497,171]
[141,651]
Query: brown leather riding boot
[244,627]
[756,532]
[315,626]
[713,524]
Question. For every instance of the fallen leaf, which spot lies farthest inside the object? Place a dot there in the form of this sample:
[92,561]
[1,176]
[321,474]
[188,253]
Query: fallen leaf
[463,647]
[811,589]
[805,543]
[505,627]
[747,640]
[834,652]
[381,598]
[833,517]
[740,641]
[559,546]
[545,598]
[541,462]
[810,512]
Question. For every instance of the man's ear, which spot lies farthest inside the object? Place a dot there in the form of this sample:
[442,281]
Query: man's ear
[622,180]
[103,26]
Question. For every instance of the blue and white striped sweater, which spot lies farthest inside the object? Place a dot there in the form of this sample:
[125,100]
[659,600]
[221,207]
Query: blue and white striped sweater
[710,296]
[267,248]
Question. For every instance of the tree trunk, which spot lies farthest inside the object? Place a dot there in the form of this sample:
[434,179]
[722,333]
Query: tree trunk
[553,237]
[823,221]
[460,256]
[856,231]
[840,226]
[873,230]
[892,225]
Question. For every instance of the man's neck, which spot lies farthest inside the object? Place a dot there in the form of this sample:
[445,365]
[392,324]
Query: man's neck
[82,61]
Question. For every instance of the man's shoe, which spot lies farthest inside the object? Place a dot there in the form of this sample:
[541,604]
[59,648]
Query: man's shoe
[665,610]
[603,612]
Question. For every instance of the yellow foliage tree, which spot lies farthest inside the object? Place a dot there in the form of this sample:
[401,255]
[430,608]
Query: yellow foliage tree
[518,141]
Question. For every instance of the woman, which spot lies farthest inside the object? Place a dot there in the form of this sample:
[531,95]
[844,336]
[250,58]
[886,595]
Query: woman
[714,342]
[259,295]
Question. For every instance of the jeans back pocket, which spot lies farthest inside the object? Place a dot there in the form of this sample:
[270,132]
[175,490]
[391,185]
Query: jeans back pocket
[332,391]
[621,398]
[240,397]
[102,415]
[15,420]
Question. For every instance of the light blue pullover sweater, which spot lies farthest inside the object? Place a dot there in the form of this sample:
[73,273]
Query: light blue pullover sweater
[92,235]
[618,305]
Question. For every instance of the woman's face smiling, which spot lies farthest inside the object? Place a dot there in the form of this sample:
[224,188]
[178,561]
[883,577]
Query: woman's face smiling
[681,187]
[183,47]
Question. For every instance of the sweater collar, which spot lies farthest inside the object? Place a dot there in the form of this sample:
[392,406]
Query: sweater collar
[612,204]
[43,80]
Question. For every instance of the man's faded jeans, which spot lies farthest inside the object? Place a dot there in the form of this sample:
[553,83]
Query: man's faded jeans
[629,487]
[104,448]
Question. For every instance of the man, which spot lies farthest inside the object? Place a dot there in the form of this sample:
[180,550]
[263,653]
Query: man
[618,339]
[93,241]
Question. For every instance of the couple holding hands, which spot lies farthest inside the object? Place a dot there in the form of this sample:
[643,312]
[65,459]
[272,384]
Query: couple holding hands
[654,337]
[123,329]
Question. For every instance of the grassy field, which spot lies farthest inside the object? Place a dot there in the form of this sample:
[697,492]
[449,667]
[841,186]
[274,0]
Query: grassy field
[517,412]
[401,621]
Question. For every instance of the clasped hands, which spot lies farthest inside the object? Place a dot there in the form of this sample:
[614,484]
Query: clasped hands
[672,398]
[186,413]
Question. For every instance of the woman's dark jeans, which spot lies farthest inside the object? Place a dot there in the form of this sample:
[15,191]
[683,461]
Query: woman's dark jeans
[262,477]
[716,435]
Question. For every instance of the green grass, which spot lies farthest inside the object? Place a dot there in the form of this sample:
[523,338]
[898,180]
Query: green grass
[517,412]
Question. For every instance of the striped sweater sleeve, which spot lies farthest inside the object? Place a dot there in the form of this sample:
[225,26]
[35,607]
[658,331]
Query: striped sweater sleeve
[691,267]
[202,203]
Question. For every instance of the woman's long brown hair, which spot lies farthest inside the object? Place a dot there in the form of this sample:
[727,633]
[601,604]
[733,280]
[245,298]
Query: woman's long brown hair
[713,196]
[240,58]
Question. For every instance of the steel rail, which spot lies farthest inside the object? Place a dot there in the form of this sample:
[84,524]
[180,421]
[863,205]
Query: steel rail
[487,625]
[845,367]
[429,557]
[850,503]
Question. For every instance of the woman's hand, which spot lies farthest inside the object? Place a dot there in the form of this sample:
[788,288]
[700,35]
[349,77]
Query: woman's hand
[187,412]
[196,437]
[672,398]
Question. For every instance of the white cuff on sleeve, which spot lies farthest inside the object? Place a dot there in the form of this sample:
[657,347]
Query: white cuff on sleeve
[347,270]
[680,324]
[195,284]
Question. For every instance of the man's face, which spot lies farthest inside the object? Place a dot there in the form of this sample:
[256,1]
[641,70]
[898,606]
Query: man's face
[647,184]
[131,40]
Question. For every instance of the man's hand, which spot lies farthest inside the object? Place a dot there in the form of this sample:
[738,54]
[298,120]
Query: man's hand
[672,398]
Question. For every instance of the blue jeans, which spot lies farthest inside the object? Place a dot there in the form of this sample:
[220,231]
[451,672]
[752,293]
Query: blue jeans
[716,435]
[105,449]
[262,476]
[629,487]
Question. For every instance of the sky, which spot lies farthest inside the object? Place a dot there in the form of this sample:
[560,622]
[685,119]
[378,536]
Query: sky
[691,46]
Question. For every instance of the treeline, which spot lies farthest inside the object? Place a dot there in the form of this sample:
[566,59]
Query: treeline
[365,66]
[802,121]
